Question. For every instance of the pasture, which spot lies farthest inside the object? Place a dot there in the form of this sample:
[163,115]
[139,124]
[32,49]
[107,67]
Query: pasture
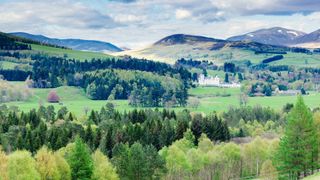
[211,99]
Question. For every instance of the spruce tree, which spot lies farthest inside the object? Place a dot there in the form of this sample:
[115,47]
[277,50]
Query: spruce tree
[80,161]
[298,149]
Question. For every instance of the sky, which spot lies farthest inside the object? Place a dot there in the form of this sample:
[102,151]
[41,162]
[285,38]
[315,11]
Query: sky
[139,23]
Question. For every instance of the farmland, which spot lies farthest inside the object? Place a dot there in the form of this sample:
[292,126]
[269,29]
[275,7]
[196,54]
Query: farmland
[211,99]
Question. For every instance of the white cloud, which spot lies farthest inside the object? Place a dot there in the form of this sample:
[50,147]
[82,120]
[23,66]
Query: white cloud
[182,14]
[137,23]
[45,13]
[128,18]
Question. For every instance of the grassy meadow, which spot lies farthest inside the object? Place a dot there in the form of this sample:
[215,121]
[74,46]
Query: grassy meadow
[211,99]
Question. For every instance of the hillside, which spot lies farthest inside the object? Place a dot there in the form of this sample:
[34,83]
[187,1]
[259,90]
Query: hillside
[273,36]
[282,37]
[311,40]
[10,43]
[177,46]
[29,47]
[76,44]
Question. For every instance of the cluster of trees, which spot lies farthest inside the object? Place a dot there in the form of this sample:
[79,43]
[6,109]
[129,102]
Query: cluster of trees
[274,58]
[141,88]
[144,83]
[273,79]
[210,160]
[229,67]
[190,63]
[54,71]
[104,129]
[12,92]
[14,74]
[248,113]
[9,43]
[72,162]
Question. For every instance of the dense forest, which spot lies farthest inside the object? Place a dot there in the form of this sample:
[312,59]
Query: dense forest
[154,144]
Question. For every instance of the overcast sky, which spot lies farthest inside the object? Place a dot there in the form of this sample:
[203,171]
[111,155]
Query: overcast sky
[137,23]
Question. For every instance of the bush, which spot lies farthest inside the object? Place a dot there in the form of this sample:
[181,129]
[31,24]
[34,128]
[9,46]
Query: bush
[53,97]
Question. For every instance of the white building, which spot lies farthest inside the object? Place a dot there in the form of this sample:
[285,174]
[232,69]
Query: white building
[208,81]
[215,81]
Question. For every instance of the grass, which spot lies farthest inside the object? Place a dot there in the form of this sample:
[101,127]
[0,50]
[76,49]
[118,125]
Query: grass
[299,60]
[213,91]
[73,54]
[8,65]
[315,176]
[76,101]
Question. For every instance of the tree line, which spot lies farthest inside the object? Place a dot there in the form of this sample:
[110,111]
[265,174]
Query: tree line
[104,129]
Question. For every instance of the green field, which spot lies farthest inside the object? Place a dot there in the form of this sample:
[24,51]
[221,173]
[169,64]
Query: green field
[76,101]
[73,54]
[8,65]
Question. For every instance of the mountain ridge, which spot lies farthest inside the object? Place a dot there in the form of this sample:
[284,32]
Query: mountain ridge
[273,36]
[176,46]
[76,44]
[281,36]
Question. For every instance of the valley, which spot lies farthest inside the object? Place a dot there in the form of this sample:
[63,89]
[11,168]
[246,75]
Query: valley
[108,112]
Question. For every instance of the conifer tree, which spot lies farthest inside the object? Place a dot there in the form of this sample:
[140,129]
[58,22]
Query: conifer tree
[80,161]
[298,149]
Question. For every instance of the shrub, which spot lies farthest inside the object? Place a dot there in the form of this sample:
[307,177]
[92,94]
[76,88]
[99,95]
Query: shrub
[53,97]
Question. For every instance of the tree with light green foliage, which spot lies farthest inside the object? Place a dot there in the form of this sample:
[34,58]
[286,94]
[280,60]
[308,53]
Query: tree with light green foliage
[3,165]
[80,161]
[298,149]
[177,162]
[254,154]
[268,171]
[46,164]
[63,167]
[103,169]
[22,166]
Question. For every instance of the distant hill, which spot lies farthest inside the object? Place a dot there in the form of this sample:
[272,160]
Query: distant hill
[185,39]
[177,46]
[311,40]
[76,44]
[274,36]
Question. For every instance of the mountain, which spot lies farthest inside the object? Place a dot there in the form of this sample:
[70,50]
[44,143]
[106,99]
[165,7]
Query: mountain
[185,39]
[273,36]
[76,44]
[311,40]
[174,47]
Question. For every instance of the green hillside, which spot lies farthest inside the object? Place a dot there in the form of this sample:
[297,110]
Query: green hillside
[73,54]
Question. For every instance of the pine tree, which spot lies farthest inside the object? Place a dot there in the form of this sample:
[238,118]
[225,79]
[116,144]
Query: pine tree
[196,127]
[298,149]
[80,161]
[89,136]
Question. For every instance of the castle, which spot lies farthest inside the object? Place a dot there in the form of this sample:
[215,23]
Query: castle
[215,81]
